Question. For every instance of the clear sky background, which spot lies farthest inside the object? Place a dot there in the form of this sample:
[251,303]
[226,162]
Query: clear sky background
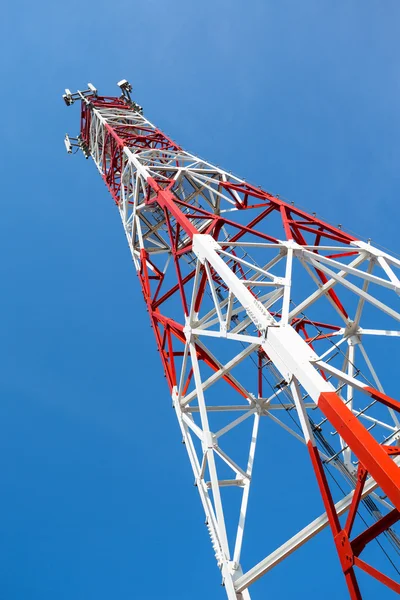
[303,98]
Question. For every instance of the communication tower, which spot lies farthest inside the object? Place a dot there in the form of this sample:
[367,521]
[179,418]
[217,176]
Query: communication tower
[265,315]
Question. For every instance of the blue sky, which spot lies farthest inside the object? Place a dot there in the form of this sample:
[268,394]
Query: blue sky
[302,98]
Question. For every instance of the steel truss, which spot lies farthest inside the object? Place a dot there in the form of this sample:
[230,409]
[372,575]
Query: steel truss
[262,314]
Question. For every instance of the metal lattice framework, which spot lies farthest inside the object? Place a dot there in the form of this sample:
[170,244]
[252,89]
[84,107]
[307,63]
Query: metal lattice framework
[264,316]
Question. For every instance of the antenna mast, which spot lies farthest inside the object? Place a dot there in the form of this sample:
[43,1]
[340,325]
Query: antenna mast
[263,315]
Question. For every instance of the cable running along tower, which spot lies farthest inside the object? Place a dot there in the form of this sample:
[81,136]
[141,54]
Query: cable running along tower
[264,316]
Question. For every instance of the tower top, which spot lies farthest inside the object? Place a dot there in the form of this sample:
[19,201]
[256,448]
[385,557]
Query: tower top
[91,93]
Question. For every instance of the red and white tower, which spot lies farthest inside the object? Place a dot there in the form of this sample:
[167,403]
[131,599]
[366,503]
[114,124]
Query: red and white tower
[263,315]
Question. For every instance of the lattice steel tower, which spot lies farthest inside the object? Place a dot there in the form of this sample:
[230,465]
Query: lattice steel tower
[262,315]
